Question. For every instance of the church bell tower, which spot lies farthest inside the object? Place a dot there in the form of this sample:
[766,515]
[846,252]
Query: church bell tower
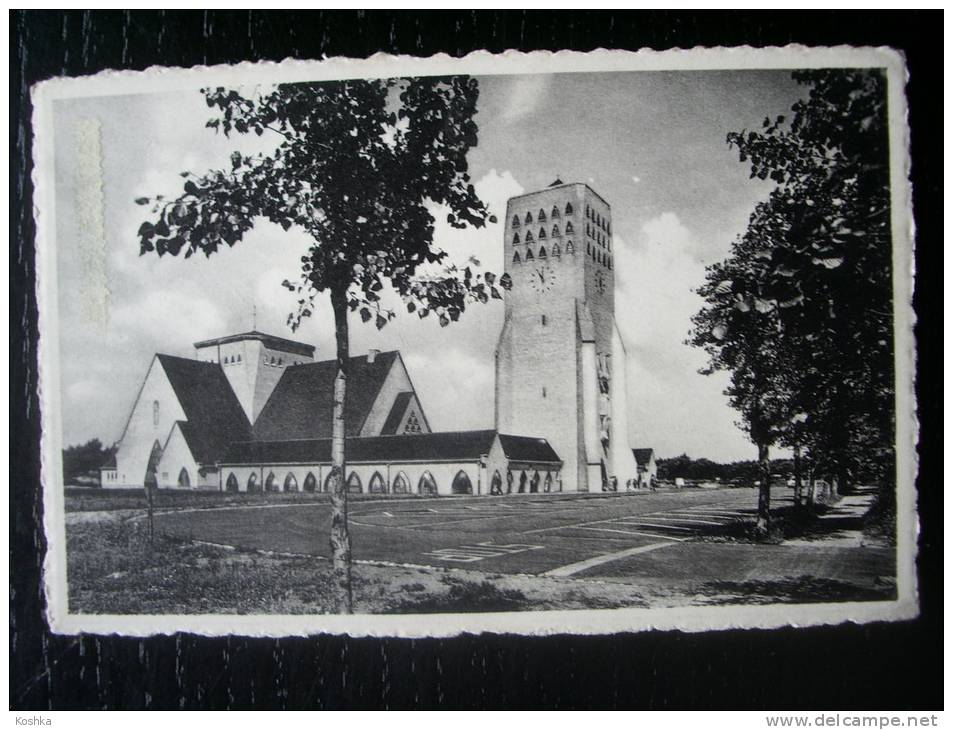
[560,362]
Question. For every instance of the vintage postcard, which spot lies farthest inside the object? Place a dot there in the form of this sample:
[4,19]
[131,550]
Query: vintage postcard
[532,343]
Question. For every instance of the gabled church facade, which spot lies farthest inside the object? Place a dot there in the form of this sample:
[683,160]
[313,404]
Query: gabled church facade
[252,412]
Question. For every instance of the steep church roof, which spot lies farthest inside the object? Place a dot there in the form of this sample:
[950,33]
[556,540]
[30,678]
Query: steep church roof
[301,404]
[396,413]
[527,448]
[445,446]
[215,417]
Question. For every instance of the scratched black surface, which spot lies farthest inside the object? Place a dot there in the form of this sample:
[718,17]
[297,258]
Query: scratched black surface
[877,666]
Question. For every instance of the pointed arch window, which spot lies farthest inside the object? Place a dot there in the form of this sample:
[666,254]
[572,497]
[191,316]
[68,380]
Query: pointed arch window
[354,485]
[529,237]
[496,485]
[529,217]
[555,212]
[291,483]
[271,484]
[529,255]
[516,238]
[427,484]
[461,484]
[184,480]
[329,481]
[516,257]
[569,248]
[568,227]
[310,482]
[155,413]
[231,484]
[542,234]
[534,482]
[555,232]
[542,252]
[516,221]
[377,485]
[588,213]
[555,250]
[253,485]
[542,216]
[548,482]
[568,208]
[401,485]
[522,485]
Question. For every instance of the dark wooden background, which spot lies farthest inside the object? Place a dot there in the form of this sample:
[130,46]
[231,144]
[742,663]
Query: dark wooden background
[875,666]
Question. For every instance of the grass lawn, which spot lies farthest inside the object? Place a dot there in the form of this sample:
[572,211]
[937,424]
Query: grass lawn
[113,569]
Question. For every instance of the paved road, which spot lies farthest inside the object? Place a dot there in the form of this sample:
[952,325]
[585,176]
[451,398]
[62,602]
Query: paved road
[560,535]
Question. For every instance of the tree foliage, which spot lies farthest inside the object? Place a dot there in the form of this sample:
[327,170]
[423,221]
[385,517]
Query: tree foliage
[358,166]
[801,311]
[82,462]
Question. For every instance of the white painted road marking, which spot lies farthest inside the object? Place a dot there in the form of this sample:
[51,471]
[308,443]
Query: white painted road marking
[582,565]
[634,532]
[478,551]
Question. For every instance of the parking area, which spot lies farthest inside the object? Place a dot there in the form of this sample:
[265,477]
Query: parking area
[560,535]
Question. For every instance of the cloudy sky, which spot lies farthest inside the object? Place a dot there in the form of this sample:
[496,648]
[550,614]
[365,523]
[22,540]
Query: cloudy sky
[651,143]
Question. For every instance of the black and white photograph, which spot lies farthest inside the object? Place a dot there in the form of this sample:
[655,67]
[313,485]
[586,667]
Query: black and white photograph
[524,343]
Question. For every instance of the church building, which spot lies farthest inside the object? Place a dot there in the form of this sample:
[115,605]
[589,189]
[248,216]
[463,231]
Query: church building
[252,412]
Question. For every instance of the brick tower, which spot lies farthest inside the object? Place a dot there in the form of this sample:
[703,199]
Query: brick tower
[560,362]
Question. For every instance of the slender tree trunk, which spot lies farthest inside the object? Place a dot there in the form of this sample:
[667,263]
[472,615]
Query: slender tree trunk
[150,506]
[797,475]
[811,486]
[763,523]
[340,536]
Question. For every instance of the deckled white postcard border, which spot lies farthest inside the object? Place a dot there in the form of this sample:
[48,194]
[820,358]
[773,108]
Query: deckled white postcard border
[444,625]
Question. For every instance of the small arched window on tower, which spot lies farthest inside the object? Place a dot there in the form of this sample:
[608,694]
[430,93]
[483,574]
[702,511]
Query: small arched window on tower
[516,257]
[568,228]
[542,234]
[529,254]
[569,248]
[555,212]
[529,237]
[516,238]
[587,212]
[155,413]
[568,208]
[239,358]
[529,217]
[555,232]
[542,216]
[516,221]
[542,252]
[555,250]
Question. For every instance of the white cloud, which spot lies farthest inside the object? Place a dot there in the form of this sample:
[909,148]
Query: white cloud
[673,407]
[525,94]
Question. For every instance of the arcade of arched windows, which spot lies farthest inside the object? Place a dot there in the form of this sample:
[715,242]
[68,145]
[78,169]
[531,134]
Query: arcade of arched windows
[421,479]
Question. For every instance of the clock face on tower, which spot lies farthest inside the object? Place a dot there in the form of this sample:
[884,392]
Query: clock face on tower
[542,277]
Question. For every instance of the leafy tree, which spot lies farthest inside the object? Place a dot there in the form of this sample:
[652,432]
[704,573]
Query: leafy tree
[358,165]
[807,290]
[834,256]
[83,461]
